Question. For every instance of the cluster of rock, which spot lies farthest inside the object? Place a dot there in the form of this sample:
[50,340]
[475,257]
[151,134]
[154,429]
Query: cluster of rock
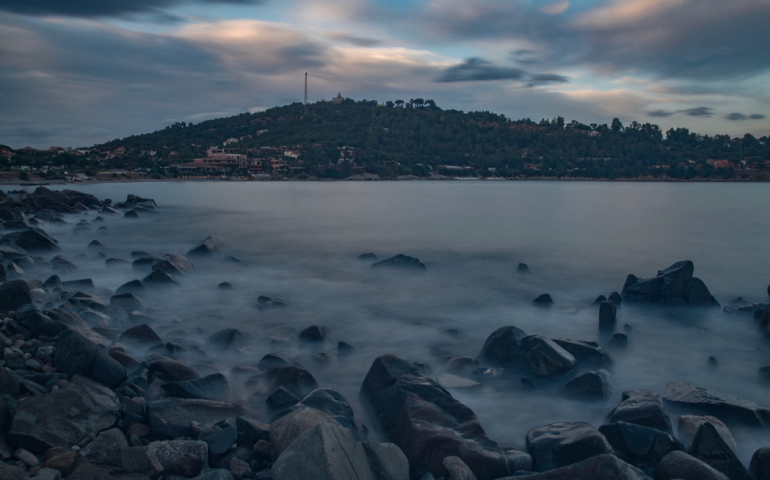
[674,286]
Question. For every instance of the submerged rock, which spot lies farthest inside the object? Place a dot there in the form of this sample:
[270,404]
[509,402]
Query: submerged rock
[173,264]
[543,357]
[503,347]
[207,247]
[543,301]
[721,405]
[674,286]
[584,351]
[605,467]
[589,386]
[401,262]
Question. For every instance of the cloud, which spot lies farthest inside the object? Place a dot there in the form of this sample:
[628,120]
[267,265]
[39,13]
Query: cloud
[740,116]
[660,113]
[556,8]
[546,78]
[354,40]
[698,112]
[479,70]
[102,8]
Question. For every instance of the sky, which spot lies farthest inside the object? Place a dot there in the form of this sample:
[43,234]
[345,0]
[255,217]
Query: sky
[80,72]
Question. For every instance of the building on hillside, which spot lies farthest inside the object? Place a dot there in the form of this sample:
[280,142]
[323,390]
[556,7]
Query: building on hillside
[278,165]
[229,141]
[338,99]
[290,153]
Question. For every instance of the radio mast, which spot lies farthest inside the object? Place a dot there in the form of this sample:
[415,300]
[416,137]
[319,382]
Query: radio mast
[305,93]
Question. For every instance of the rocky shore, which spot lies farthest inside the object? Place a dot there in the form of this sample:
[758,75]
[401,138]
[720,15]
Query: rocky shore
[91,389]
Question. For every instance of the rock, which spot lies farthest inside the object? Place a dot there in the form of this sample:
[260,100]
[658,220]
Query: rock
[503,347]
[131,214]
[760,462]
[615,298]
[330,452]
[127,301]
[523,268]
[314,333]
[207,247]
[401,263]
[100,395]
[462,365]
[62,462]
[76,354]
[426,422]
[9,382]
[12,472]
[744,308]
[170,369]
[586,352]
[168,450]
[227,339]
[544,358]
[251,431]
[642,407]
[619,340]
[604,467]
[95,245]
[679,465]
[159,278]
[710,448]
[271,360]
[173,264]
[457,469]
[689,425]
[36,240]
[212,387]
[345,349]
[239,468]
[589,386]
[134,286]
[14,294]
[106,447]
[140,336]
[674,286]
[168,420]
[332,403]
[599,300]
[369,257]
[296,380]
[723,406]
[642,447]
[544,301]
[281,399]
[60,419]
[265,303]
[285,430]
[26,457]
[562,443]
[608,313]
[225,286]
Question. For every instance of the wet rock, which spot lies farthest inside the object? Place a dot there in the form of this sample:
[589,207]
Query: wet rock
[212,387]
[369,257]
[159,278]
[227,339]
[345,349]
[503,347]
[168,450]
[134,286]
[608,313]
[95,245]
[462,365]
[599,300]
[689,425]
[674,286]
[710,448]
[36,240]
[332,403]
[281,399]
[563,443]
[285,430]
[642,447]
[173,264]
[330,452]
[141,336]
[426,422]
[605,467]
[225,286]
[589,386]
[128,301]
[250,431]
[585,352]
[523,268]
[543,357]
[271,360]
[544,301]
[681,466]
[619,340]
[760,463]
[207,247]
[744,308]
[131,214]
[9,382]
[12,472]
[60,419]
[169,420]
[220,440]
[14,294]
[170,369]
[14,271]
[721,405]
[457,469]
[314,333]
[106,447]
[615,298]
[76,354]
[642,407]
[296,380]
[265,303]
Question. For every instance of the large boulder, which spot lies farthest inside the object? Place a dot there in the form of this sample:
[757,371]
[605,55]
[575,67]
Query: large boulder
[167,451]
[295,380]
[589,386]
[427,423]
[721,405]
[681,466]
[760,461]
[640,446]
[674,286]
[212,387]
[689,425]
[62,419]
[14,294]
[503,347]
[544,358]
[402,263]
[285,430]
[604,467]
[330,452]
[173,264]
[170,369]
[207,247]
[75,354]
[35,240]
[585,352]
[642,407]
[141,336]
[564,443]
[332,403]
[709,447]
[169,420]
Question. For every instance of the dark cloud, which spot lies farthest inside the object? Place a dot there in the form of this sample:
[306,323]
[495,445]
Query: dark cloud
[101,8]
[546,78]
[355,40]
[479,70]
[698,112]
[660,113]
[740,116]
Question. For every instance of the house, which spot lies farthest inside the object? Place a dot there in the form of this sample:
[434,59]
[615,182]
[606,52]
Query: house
[338,99]
[290,153]
[532,166]
[278,165]
[229,141]
[120,151]
[4,152]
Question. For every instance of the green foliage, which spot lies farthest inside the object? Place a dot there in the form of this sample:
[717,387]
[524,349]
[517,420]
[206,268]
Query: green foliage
[23,176]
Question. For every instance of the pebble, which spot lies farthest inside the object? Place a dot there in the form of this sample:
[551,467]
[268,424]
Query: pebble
[33,364]
[27,457]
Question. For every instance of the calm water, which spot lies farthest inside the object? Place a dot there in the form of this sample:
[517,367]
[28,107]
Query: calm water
[300,242]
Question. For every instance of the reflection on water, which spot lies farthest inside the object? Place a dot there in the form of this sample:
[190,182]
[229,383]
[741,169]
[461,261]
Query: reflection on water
[299,242]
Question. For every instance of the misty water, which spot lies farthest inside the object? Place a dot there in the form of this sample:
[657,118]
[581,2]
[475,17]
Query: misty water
[299,242]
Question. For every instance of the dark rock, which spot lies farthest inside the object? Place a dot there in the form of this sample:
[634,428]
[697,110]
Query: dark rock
[713,361]
[544,301]
[426,422]
[562,443]
[314,333]
[169,420]
[690,424]
[543,357]
[345,349]
[370,257]
[457,469]
[159,278]
[462,365]
[95,245]
[76,354]
[640,446]
[523,268]
[170,369]
[213,387]
[674,286]
[642,407]
[14,294]
[12,472]
[36,240]
[219,440]
[604,467]
[285,430]
[93,302]
[251,431]
[134,286]
[9,383]
[207,247]
[225,286]
[128,301]
[589,386]
[608,314]
[271,360]
[402,263]
[723,406]
[227,338]
[586,352]
[141,336]
[281,399]
[619,340]
[332,403]
[760,462]
[296,380]
[173,264]
[131,214]
[264,302]
[80,284]
[233,259]
[710,448]
[115,261]
[600,299]
[615,298]
[141,263]
[106,447]
[503,347]
[168,450]
[744,308]
[681,466]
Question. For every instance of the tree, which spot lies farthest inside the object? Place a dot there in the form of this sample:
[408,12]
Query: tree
[399,103]
[617,126]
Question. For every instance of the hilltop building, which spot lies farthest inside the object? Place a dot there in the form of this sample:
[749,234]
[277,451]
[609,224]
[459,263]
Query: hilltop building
[338,99]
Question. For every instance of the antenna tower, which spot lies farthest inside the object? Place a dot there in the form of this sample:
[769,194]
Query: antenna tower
[305,93]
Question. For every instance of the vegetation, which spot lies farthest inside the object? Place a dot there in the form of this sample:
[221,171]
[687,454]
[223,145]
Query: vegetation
[417,137]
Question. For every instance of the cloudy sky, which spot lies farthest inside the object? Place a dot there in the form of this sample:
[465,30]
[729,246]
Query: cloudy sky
[78,72]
